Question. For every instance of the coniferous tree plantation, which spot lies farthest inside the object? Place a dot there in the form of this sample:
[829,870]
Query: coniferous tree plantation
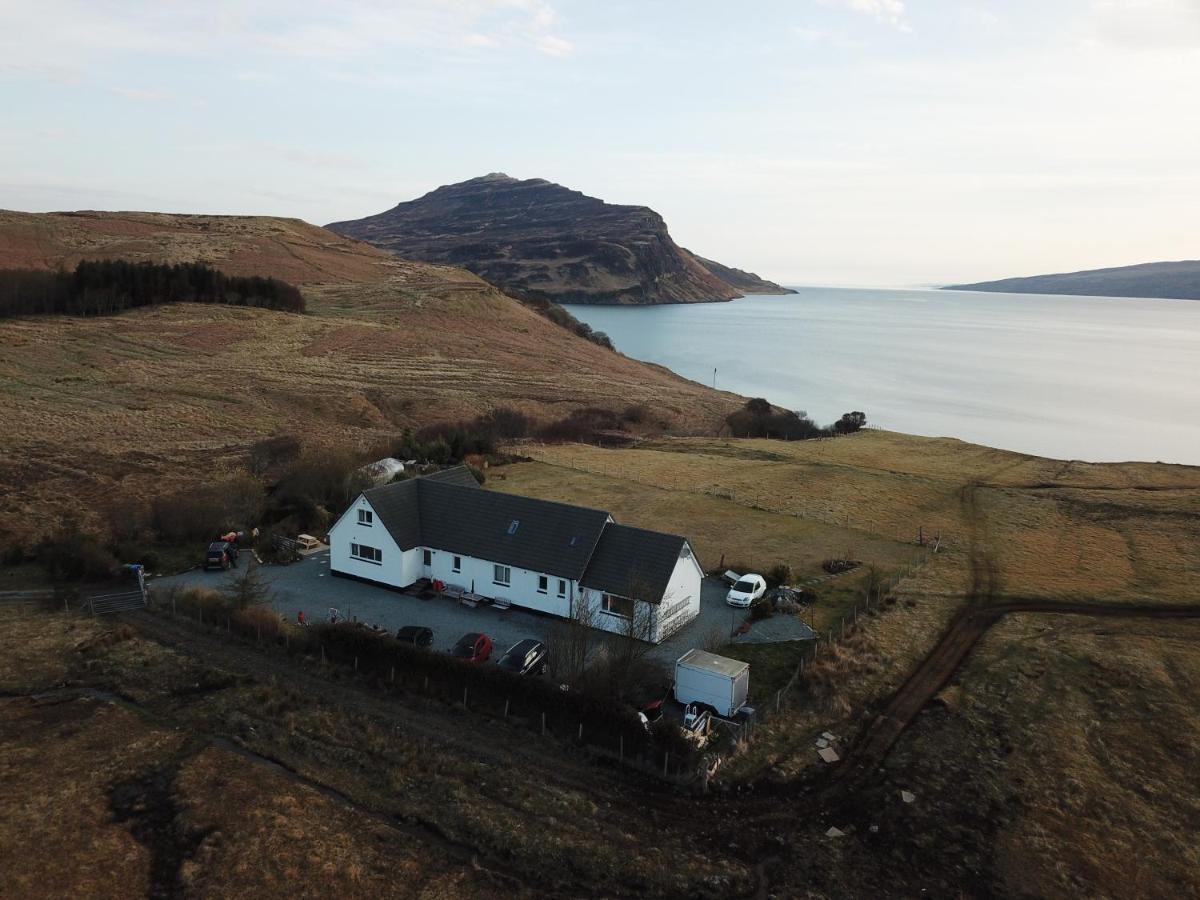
[106,287]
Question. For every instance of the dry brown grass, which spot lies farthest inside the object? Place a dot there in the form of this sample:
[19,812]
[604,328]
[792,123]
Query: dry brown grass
[240,827]
[717,527]
[145,400]
[1085,735]
[1053,528]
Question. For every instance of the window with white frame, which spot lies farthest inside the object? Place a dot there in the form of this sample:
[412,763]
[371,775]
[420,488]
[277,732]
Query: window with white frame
[366,554]
[366,517]
[543,584]
[617,606]
[562,588]
[502,575]
[457,564]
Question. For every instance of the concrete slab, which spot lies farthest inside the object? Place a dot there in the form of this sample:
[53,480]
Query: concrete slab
[828,754]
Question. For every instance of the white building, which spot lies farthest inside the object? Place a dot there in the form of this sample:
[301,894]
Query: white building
[552,557]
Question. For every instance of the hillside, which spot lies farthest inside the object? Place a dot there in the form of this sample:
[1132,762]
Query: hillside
[94,406]
[1170,280]
[539,240]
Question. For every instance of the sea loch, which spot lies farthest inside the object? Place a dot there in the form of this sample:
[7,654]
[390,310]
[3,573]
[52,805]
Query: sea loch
[1090,378]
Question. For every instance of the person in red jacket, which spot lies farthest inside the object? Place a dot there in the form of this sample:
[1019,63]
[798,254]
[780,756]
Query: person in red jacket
[300,618]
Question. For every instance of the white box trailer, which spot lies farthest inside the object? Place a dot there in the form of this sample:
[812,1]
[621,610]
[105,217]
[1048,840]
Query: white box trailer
[720,682]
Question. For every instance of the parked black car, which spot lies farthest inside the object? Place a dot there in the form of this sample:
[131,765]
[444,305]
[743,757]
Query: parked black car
[220,555]
[417,635]
[527,657]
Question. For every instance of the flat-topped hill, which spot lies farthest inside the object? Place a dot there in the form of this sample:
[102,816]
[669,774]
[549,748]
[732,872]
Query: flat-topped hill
[540,240]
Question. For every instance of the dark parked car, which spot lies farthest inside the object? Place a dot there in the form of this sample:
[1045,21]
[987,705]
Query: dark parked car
[220,555]
[473,647]
[417,635]
[527,657]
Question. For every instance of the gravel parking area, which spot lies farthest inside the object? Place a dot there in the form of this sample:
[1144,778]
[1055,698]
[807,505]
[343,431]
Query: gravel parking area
[307,585]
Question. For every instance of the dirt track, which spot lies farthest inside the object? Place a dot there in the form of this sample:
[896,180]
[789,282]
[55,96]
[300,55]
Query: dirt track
[939,666]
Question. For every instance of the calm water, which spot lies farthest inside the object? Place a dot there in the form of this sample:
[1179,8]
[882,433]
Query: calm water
[1087,378]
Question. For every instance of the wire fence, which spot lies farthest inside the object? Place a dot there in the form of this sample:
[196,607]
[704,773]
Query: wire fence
[577,719]
[848,625]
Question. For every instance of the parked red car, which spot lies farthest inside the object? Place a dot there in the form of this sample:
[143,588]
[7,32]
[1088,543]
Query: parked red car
[473,647]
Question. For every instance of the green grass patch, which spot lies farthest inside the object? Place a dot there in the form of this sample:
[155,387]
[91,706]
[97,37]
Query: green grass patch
[771,666]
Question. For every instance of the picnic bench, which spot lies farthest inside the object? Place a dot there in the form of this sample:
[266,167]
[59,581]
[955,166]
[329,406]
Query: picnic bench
[307,542]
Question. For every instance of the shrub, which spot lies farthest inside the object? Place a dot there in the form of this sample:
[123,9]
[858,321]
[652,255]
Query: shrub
[206,510]
[273,452]
[780,573]
[581,425]
[247,590]
[850,422]
[315,486]
[70,554]
[637,414]
[258,621]
[760,609]
[837,566]
[105,287]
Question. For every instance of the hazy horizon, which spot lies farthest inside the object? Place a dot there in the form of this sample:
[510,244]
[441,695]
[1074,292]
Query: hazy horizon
[841,142]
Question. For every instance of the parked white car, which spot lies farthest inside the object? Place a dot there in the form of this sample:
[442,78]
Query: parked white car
[746,590]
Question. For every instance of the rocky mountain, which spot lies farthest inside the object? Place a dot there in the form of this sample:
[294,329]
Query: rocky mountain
[541,241]
[1171,280]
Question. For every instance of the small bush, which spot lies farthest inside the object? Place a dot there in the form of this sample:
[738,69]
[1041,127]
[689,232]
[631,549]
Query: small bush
[273,452]
[837,566]
[779,574]
[258,621]
[760,609]
[70,554]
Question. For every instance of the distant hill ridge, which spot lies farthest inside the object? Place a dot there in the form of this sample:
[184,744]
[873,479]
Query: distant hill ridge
[541,241]
[1167,280]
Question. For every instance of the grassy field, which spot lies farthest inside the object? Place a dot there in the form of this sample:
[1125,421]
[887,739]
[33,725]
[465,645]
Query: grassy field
[1053,528]
[1066,754]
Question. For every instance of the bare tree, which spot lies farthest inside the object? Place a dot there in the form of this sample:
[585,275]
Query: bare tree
[572,641]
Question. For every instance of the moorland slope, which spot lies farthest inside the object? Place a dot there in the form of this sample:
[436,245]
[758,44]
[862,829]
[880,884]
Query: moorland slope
[94,406]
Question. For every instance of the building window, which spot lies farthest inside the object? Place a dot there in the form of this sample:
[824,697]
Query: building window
[513,526]
[617,606]
[427,557]
[366,517]
[366,554]
[543,584]
[502,576]
[562,588]
[458,564]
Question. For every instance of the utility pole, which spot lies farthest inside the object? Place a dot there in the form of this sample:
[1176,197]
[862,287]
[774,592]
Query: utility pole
[714,378]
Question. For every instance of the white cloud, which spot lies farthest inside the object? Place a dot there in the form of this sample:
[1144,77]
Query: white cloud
[552,45]
[141,94]
[1144,24]
[889,11]
[72,34]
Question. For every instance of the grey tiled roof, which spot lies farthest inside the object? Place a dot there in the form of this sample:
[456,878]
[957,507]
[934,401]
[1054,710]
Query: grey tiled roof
[554,538]
[447,511]
[634,562]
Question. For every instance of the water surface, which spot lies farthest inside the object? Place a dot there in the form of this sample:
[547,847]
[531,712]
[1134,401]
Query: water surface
[1092,378]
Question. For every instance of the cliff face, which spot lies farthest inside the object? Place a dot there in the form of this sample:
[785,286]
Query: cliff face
[539,240]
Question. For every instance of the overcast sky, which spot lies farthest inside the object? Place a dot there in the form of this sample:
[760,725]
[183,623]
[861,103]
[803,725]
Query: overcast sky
[887,142]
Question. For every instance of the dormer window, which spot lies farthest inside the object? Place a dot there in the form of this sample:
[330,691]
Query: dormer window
[366,517]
